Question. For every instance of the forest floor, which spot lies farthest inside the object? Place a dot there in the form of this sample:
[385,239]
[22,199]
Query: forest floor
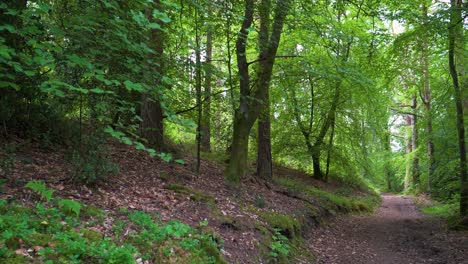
[243,217]
[397,233]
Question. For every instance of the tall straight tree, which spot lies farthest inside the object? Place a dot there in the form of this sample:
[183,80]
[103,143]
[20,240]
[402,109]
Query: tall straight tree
[206,119]
[248,111]
[264,159]
[152,115]
[426,97]
[459,78]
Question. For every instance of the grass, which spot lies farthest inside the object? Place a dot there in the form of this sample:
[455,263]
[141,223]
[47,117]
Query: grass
[450,212]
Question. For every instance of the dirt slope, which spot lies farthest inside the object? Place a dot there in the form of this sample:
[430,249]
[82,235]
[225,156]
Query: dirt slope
[396,233]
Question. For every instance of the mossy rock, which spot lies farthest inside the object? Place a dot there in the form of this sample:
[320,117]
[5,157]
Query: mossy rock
[290,227]
[195,195]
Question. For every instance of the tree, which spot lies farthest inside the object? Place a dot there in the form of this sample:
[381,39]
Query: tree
[248,111]
[206,120]
[152,114]
[458,74]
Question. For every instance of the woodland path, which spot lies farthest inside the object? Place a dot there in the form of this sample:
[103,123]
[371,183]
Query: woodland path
[397,233]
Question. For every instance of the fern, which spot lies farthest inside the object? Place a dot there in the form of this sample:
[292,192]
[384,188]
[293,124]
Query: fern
[40,189]
[70,206]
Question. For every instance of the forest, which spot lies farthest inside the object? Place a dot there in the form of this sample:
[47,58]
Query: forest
[233,131]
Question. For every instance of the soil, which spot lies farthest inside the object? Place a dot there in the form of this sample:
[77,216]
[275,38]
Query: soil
[397,233]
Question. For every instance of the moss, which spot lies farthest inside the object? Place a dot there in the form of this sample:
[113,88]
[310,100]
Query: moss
[289,226]
[195,195]
[341,201]
[16,260]
[92,235]
[91,210]
[171,252]
[298,253]
[39,239]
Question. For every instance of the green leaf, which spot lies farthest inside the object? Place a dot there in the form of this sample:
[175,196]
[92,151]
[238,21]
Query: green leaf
[126,140]
[70,206]
[167,157]
[154,26]
[4,84]
[40,188]
[8,27]
[97,91]
[131,86]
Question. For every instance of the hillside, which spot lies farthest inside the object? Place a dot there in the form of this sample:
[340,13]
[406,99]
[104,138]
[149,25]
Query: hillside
[242,219]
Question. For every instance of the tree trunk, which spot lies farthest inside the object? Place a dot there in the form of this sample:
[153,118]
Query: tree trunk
[427,104]
[317,147]
[415,173]
[408,150]
[152,126]
[316,165]
[198,88]
[248,110]
[206,120]
[237,167]
[264,159]
[243,121]
[456,46]
[330,146]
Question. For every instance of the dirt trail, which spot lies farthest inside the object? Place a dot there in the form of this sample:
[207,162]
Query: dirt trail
[397,233]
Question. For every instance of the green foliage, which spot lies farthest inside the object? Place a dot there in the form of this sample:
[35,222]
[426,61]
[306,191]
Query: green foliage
[40,189]
[62,235]
[69,206]
[259,201]
[450,212]
[279,246]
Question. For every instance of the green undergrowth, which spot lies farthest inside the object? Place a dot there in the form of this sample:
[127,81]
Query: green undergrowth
[450,212]
[340,201]
[54,231]
[282,240]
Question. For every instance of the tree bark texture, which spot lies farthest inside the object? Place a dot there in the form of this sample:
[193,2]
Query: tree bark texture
[264,159]
[206,120]
[152,126]
[415,172]
[456,59]
[427,104]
